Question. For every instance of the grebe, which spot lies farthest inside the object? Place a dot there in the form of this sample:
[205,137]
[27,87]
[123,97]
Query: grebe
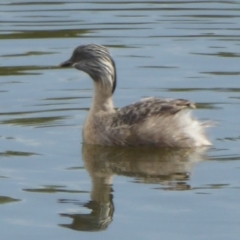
[149,122]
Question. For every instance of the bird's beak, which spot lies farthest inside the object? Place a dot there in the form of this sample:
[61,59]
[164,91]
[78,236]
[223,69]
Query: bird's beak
[67,63]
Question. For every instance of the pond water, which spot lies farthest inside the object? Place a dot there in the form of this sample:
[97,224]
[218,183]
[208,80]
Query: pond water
[52,186]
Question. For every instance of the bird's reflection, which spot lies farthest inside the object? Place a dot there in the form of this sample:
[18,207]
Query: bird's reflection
[170,168]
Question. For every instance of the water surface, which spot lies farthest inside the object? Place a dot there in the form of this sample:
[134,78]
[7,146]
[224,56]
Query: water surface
[55,187]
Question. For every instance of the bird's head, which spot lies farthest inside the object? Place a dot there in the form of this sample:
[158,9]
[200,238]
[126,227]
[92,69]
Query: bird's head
[96,61]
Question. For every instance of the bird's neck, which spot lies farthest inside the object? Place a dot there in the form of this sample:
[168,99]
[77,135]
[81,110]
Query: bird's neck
[102,98]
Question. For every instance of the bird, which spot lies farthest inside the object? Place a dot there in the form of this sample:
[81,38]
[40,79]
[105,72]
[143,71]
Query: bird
[151,122]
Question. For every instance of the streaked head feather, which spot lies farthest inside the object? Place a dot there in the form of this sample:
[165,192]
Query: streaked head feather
[96,61]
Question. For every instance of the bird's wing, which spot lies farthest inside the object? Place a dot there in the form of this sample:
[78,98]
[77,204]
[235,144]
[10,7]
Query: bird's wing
[148,107]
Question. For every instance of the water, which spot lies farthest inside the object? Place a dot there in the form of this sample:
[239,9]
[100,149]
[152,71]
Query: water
[52,187]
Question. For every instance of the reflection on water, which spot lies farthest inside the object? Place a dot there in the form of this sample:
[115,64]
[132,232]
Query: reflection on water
[52,189]
[23,70]
[16,154]
[146,165]
[45,34]
[4,199]
[219,54]
[101,208]
[40,121]
[169,167]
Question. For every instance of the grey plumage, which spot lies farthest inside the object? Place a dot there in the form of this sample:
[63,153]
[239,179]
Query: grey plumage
[149,107]
[150,121]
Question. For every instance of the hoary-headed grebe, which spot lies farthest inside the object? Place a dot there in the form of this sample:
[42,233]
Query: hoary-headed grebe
[149,122]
